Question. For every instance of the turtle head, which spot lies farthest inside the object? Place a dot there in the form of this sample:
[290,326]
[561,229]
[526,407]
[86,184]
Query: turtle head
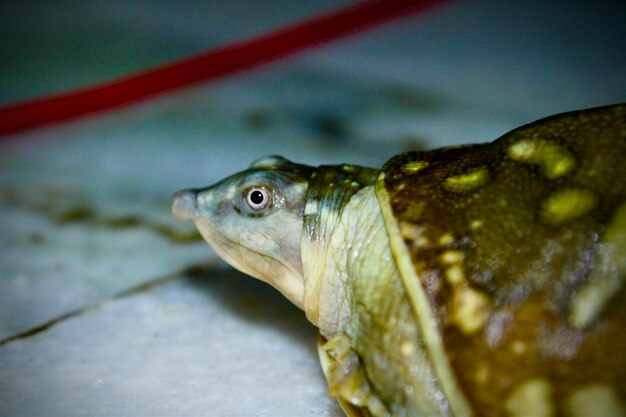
[254,220]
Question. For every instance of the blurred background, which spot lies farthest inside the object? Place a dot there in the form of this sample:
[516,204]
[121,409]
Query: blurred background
[110,307]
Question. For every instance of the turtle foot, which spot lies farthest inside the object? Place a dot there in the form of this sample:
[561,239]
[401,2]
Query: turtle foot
[346,379]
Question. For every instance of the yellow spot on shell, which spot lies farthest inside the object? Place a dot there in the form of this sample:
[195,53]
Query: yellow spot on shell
[532,398]
[413,167]
[469,181]
[607,277]
[518,347]
[446,239]
[455,275]
[555,160]
[591,299]
[452,257]
[476,224]
[595,400]
[522,150]
[469,309]
[567,205]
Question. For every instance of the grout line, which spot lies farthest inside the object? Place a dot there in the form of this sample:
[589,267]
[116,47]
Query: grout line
[127,293]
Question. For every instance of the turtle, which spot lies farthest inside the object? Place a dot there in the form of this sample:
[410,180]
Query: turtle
[475,280]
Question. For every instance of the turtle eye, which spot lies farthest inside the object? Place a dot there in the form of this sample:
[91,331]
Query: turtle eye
[257,198]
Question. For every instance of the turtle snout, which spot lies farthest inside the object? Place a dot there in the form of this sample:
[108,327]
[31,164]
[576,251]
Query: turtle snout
[184,204]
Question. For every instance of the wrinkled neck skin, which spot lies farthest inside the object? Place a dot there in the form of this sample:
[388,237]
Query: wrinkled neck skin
[333,247]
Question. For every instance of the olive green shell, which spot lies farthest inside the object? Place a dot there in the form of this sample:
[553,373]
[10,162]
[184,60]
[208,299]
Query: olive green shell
[519,250]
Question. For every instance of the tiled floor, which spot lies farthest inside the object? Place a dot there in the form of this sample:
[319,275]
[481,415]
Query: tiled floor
[110,307]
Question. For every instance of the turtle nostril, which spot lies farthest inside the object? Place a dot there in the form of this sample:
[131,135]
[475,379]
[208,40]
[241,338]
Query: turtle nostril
[184,204]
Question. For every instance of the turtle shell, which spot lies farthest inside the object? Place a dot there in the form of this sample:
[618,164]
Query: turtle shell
[513,256]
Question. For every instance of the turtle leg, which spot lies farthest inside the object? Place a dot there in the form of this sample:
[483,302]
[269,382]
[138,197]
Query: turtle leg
[346,380]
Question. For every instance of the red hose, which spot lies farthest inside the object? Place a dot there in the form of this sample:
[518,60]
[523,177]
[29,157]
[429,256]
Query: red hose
[210,65]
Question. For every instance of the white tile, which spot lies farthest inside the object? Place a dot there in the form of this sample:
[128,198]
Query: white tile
[212,345]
